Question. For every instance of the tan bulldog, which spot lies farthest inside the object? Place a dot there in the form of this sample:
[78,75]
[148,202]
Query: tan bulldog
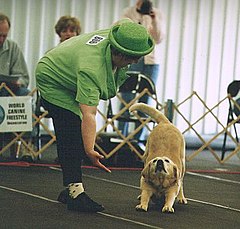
[164,162]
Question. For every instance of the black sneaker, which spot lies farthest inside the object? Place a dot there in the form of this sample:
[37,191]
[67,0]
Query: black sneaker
[83,203]
[63,196]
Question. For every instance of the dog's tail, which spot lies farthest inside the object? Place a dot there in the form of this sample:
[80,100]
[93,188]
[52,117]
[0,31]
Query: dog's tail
[157,115]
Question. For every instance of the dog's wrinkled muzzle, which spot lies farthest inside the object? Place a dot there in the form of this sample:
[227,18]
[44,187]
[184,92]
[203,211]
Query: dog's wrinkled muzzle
[160,166]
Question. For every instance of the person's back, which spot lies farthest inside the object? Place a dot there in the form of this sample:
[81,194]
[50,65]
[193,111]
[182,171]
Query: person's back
[66,54]
[66,28]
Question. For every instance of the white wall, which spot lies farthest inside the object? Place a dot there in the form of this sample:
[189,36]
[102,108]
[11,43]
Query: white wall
[200,52]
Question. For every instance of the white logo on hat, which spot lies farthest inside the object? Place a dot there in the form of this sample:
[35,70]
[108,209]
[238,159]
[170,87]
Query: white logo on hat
[96,39]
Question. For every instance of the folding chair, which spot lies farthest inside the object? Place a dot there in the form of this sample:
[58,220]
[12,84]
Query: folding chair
[233,90]
[138,87]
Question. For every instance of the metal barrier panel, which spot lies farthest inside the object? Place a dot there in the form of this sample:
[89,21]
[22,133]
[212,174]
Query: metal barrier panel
[169,108]
[212,113]
[116,137]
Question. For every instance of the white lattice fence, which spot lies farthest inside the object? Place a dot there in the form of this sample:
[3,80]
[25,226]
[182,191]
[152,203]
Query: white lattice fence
[209,112]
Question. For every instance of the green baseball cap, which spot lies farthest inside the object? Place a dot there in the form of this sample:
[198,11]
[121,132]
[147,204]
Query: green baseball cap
[131,39]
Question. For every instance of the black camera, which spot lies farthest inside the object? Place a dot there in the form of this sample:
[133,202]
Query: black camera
[146,7]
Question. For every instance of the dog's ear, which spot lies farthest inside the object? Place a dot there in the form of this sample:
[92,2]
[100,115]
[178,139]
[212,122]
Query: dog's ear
[146,171]
[176,172]
[145,155]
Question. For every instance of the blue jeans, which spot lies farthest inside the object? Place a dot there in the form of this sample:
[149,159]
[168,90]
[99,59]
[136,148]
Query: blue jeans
[151,71]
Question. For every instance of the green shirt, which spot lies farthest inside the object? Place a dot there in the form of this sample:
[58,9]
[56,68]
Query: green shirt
[79,70]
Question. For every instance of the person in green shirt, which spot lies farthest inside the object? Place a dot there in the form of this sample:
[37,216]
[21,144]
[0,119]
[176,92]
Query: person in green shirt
[72,78]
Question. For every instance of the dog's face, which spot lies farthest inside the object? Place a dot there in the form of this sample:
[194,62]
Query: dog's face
[160,172]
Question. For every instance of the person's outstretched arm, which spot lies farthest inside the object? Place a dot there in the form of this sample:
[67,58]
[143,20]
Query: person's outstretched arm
[89,135]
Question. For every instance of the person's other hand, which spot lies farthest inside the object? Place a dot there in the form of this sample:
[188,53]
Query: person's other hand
[95,158]
[152,14]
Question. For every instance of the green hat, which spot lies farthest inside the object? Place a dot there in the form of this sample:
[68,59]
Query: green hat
[131,39]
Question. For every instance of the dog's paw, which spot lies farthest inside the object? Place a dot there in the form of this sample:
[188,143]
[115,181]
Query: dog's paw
[141,208]
[168,209]
[182,201]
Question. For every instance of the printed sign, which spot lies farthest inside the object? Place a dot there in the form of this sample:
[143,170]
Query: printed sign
[15,114]
[96,39]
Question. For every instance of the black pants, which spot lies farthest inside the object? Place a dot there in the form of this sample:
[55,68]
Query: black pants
[70,149]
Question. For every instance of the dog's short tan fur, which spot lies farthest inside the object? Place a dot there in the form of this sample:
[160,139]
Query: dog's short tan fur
[164,162]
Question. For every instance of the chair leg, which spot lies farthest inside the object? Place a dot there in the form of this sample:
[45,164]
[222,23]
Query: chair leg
[230,115]
[224,145]
[235,129]
[18,148]
[230,118]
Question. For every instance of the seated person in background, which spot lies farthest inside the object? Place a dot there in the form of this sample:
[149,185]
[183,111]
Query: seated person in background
[12,63]
[67,27]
